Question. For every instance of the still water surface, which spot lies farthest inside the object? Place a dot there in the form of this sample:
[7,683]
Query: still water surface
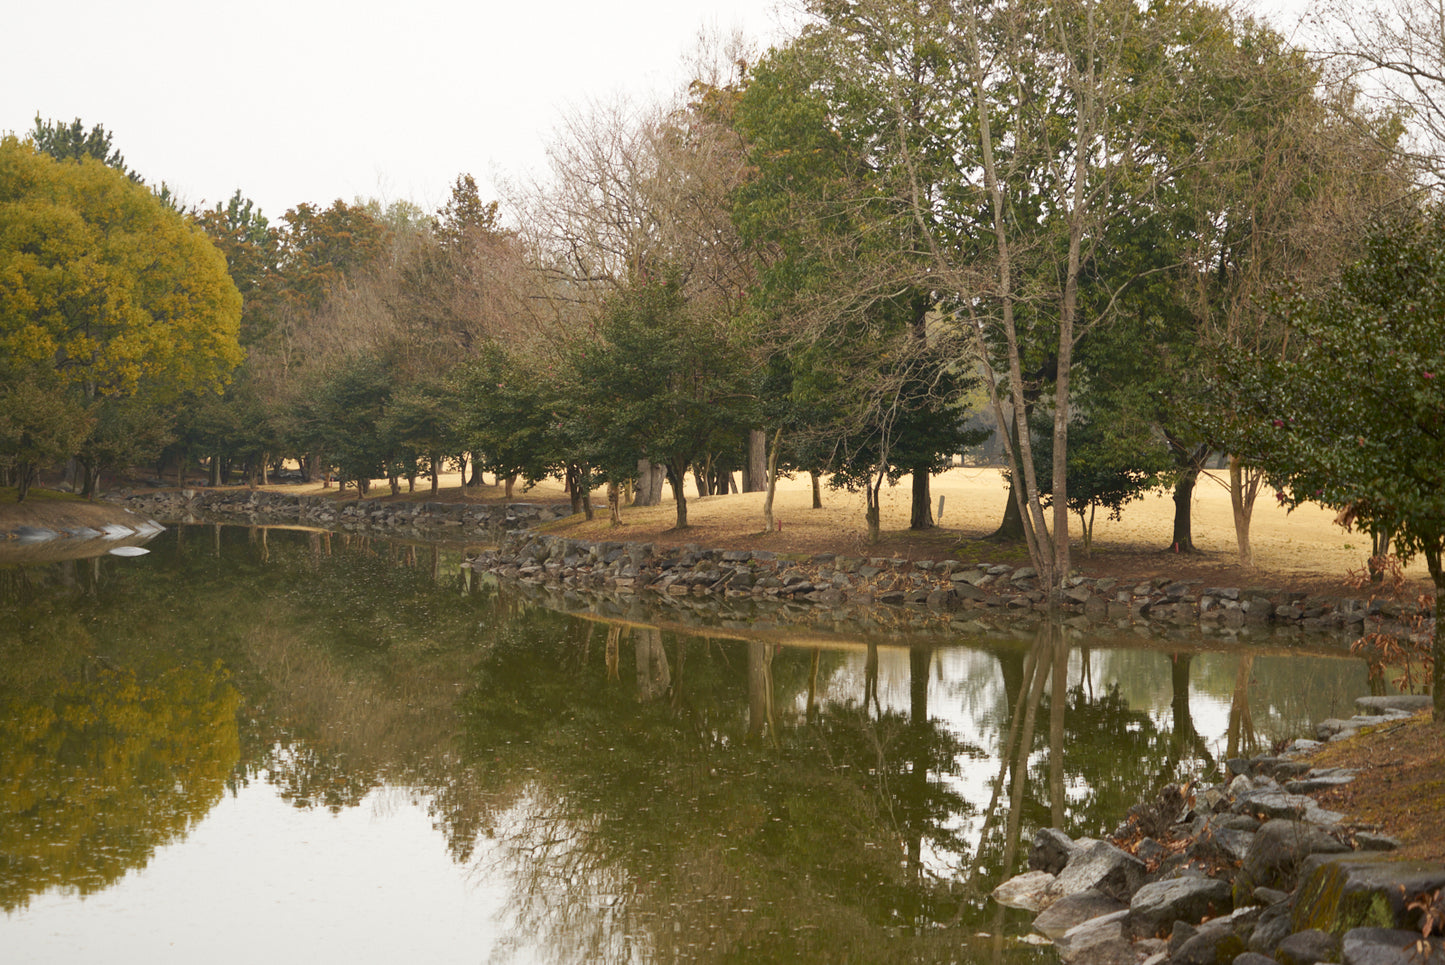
[275,745]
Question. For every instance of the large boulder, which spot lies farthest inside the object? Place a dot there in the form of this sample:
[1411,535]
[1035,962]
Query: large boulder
[1157,905]
[1032,891]
[1073,910]
[1391,946]
[1051,851]
[1104,868]
[1308,947]
[1279,849]
[1098,941]
[1352,891]
[1217,940]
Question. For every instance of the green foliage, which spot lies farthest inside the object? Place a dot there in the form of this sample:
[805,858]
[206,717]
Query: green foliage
[665,383]
[1353,417]
[104,286]
[126,430]
[72,142]
[343,416]
[38,426]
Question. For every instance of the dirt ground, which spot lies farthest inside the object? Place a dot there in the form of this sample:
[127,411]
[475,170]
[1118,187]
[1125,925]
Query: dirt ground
[1303,549]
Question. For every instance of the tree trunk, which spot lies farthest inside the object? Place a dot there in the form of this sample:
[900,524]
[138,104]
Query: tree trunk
[873,514]
[507,485]
[574,491]
[700,476]
[1183,541]
[614,504]
[814,477]
[772,482]
[1243,488]
[1437,645]
[436,471]
[922,516]
[755,473]
[677,471]
[650,477]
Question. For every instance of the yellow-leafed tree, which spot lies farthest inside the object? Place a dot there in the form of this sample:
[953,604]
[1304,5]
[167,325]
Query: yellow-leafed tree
[105,286]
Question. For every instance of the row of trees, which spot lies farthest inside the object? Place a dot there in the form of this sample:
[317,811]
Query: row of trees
[1101,222]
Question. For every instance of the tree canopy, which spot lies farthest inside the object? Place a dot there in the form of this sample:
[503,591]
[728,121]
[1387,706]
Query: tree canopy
[1354,416]
[104,285]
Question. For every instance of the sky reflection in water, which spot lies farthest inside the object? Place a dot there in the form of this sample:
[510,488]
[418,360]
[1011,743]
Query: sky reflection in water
[341,748]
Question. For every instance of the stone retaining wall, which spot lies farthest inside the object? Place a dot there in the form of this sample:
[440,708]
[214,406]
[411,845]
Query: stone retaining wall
[413,519]
[949,585]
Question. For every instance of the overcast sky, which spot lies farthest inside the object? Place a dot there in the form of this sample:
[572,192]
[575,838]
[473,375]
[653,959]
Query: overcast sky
[311,100]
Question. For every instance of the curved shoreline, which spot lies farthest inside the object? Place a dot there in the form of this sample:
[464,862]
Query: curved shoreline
[975,590]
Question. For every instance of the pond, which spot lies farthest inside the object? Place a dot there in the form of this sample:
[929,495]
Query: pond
[261,744]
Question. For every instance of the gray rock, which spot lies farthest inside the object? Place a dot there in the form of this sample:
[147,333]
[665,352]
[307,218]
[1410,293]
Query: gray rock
[1279,849]
[1103,867]
[1158,904]
[1389,946]
[1229,843]
[1307,948]
[1407,703]
[1254,958]
[1272,803]
[1273,927]
[1217,940]
[1321,780]
[1366,841]
[1030,891]
[1100,939]
[1073,910]
[1340,892]
[1051,851]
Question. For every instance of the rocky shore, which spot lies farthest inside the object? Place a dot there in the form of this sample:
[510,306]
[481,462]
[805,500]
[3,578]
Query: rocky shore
[947,585]
[1249,872]
[420,520]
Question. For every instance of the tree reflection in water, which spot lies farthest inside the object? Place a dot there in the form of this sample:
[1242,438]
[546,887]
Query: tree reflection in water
[647,794]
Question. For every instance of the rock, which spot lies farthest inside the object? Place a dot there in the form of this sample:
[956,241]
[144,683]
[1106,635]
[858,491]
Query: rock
[1103,867]
[1361,890]
[1279,849]
[1217,940]
[1273,927]
[1157,905]
[1228,843]
[1254,958]
[1073,910]
[1100,939]
[1307,948]
[1390,946]
[1273,803]
[1321,780]
[1029,891]
[1051,851]
[1365,841]
[1406,703]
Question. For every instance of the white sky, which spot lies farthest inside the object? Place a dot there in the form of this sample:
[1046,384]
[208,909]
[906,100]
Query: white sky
[311,100]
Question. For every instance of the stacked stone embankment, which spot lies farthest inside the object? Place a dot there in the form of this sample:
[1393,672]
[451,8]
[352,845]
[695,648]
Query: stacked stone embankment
[1001,588]
[1250,871]
[425,520]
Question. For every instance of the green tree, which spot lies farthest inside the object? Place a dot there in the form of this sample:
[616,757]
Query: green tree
[38,426]
[72,142]
[667,382]
[1353,417]
[104,286]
